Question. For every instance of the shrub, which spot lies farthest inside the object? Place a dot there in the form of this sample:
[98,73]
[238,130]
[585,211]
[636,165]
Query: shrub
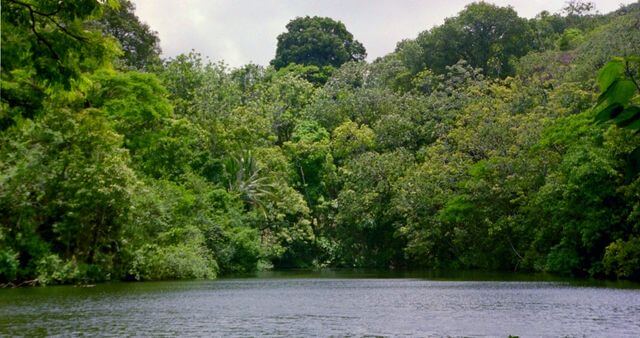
[181,261]
[622,258]
[8,265]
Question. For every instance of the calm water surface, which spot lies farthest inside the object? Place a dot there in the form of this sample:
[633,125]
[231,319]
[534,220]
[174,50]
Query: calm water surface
[329,303]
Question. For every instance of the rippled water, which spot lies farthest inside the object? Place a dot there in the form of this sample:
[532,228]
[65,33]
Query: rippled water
[321,304]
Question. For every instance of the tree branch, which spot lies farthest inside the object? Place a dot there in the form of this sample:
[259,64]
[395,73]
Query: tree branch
[48,16]
[38,36]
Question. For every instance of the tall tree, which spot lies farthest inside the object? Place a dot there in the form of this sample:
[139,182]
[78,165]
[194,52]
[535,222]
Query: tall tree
[317,41]
[485,35]
[140,44]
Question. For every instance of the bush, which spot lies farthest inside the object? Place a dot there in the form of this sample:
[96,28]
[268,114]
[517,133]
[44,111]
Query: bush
[243,252]
[8,265]
[562,260]
[181,261]
[51,269]
[622,258]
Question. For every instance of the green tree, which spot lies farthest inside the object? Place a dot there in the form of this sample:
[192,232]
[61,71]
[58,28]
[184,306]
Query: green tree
[47,46]
[66,190]
[140,45]
[243,177]
[366,225]
[349,140]
[312,73]
[310,154]
[317,41]
[484,35]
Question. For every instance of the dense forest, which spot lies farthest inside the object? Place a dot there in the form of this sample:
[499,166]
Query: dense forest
[491,142]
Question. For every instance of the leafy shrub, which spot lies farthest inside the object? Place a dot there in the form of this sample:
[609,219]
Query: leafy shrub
[8,265]
[53,270]
[622,258]
[242,251]
[181,261]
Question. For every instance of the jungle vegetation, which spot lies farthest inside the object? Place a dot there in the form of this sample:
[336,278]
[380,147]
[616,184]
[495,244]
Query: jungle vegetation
[491,142]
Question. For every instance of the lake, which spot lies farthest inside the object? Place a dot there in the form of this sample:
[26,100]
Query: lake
[339,303]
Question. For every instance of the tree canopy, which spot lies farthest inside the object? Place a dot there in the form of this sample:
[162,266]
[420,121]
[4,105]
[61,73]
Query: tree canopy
[140,45]
[317,41]
[485,35]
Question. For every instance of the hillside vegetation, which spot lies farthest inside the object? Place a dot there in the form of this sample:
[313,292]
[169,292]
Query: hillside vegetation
[485,143]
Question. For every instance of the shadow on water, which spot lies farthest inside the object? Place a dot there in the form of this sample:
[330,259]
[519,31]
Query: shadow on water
[433,275]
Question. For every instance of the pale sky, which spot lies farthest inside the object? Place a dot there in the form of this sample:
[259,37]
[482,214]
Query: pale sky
[243,31]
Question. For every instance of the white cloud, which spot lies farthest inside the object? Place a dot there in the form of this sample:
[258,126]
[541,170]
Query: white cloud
[242,31]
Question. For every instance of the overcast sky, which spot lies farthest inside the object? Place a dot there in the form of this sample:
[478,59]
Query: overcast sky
[243,31]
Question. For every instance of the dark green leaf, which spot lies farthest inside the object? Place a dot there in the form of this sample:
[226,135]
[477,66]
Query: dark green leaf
[635,125]
[609,112]
[628,116]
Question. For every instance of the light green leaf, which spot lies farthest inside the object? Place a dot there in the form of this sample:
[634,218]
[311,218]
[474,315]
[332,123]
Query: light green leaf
[609,73]
[620,91]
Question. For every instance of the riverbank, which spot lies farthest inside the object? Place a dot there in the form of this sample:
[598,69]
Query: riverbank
[345,273]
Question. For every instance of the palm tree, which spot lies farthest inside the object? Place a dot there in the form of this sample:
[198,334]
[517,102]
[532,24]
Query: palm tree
[243,176]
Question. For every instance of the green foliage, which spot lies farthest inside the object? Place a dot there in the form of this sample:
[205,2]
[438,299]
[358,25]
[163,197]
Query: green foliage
[317,41]
[620,93]
[310,154]
[47,47]
[8,265]
[618,38]
[243,177]
[418,159]
[365,224]
[570,39]
[622,258]
[349,140]
[312,73]
[285,98]
[65,180]
[546,29]
[140,124]
[485,35]
[140,45]
[182,261]
[243,251]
